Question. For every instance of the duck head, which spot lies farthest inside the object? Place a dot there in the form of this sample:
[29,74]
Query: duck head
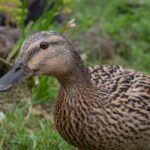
[42,53]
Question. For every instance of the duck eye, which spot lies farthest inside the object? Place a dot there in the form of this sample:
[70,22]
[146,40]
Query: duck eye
[43,45]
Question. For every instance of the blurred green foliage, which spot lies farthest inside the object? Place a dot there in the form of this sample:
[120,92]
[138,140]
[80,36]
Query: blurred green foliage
[22,129]
[126,23]
[129,27]
[15,10]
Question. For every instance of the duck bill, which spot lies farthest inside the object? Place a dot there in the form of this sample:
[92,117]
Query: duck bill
[16,74]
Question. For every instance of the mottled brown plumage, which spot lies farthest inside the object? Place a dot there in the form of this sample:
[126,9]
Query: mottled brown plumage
[98,108]
[113,113]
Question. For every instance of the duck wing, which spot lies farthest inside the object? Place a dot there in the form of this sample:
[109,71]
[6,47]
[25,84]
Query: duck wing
[115,82]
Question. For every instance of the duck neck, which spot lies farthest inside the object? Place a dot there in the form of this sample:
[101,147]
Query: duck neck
[76,87]
[79,76]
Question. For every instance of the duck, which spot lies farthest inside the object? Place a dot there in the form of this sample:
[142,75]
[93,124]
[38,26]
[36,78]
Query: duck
[104,107]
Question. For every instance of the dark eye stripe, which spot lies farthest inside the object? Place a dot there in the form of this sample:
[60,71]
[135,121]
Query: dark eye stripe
[54,42]
[32,53]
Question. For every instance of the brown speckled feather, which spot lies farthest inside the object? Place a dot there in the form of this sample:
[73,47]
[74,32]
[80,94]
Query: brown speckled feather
[118,114]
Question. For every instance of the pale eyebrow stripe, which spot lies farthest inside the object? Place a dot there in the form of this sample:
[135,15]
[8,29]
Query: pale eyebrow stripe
[56,42]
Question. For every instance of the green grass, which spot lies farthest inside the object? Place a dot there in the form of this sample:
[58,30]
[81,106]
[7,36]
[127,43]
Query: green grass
[24,129]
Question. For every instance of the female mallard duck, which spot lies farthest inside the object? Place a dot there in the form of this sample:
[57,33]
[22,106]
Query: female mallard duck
[98,108]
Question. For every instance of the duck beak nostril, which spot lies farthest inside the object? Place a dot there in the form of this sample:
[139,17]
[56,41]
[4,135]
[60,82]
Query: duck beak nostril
[16,74]
[17,69]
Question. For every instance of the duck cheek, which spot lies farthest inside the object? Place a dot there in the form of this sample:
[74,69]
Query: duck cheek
[51,67]
[48,70]
[53,70]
